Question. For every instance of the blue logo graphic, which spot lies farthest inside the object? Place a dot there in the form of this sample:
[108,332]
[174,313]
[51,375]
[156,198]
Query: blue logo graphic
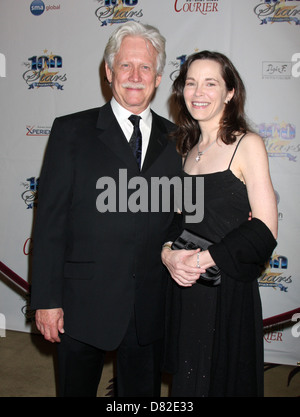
[29,196]
[274,275]
[44,71]
[278,11]
[37,7]
[117,11]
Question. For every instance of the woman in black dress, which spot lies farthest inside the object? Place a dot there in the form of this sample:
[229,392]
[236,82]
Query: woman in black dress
[217,340]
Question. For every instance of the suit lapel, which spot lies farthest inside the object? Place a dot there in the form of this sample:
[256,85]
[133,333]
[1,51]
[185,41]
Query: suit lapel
[157,142]
[111,134]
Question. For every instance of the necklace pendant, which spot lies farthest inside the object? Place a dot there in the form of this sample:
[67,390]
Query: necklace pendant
[198,157]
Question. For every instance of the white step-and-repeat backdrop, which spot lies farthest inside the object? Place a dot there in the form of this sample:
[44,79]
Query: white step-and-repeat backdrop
[51,64]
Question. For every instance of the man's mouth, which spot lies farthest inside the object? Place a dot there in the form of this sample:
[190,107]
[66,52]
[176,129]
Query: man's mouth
[133,86]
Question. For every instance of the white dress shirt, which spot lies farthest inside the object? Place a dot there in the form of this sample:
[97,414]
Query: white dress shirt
[127,127]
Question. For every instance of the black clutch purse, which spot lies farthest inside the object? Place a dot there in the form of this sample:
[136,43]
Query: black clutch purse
[188,241]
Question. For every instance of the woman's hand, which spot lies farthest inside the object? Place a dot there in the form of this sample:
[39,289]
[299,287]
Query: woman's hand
[182,265]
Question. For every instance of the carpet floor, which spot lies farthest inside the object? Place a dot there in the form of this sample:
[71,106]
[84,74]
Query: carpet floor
[27,369]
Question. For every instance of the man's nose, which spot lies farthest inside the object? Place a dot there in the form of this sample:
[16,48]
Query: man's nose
[135,74]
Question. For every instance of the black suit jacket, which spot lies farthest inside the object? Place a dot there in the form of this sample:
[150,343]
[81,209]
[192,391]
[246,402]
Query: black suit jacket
[99,267]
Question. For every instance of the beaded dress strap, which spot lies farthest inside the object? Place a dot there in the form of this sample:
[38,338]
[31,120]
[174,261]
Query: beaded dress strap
[236,150]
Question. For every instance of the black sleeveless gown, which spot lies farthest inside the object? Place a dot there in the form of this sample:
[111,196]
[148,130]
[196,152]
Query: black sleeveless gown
[226,206]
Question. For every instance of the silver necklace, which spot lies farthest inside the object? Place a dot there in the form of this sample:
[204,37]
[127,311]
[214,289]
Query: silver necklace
[200,153]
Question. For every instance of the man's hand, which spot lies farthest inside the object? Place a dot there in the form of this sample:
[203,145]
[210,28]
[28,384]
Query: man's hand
[50,323]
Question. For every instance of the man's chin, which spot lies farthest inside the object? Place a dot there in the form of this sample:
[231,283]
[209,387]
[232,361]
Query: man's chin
[132,105]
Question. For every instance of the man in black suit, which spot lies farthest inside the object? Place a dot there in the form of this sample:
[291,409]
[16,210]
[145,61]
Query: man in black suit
[98,283]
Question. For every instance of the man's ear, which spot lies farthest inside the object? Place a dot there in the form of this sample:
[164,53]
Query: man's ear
[158,80]
[108,73]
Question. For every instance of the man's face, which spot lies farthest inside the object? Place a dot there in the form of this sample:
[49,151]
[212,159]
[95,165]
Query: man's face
[133,77]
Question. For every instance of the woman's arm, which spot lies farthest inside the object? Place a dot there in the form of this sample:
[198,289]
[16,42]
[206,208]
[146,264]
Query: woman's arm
[252,165]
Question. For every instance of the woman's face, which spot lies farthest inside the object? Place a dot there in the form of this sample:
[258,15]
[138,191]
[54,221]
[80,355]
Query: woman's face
[205,92]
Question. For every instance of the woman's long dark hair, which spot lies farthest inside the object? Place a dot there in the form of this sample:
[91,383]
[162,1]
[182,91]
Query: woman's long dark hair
[233,121]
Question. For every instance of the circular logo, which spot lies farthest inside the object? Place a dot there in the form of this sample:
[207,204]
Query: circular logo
[37,7]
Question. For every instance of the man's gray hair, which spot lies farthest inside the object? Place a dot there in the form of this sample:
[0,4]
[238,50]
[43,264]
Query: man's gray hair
[147,32]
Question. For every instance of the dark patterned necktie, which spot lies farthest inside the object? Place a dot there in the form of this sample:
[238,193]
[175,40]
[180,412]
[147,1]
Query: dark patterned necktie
[135,141]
